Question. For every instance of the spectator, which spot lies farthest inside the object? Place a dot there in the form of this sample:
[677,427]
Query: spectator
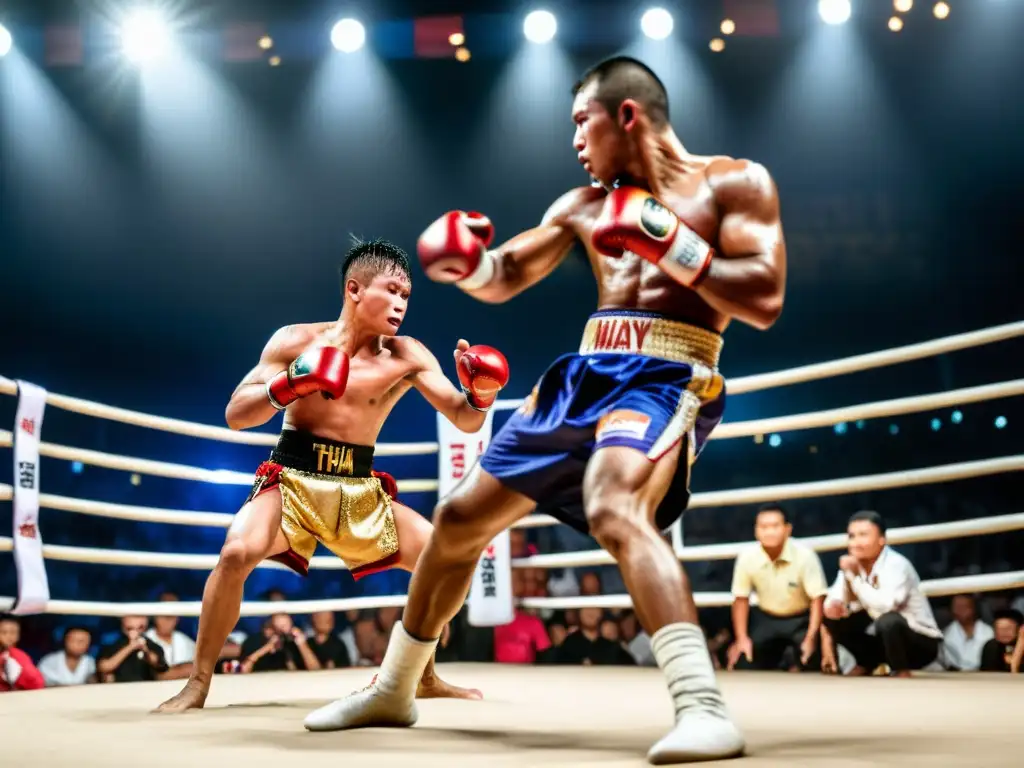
[133,658]
[590,584]
[328,647]
[348,636]
[964,639]
[638,642]
[386,619]
[179,649]
[875,608]
[17,672]
[998,653]
[281,646]
[366,635]
[586,646]
[790,586]
[523,639]
[73,665]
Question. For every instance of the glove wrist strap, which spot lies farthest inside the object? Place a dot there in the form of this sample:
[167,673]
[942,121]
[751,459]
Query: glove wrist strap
[482,275]
[273,400]
[470,397]
[689,259]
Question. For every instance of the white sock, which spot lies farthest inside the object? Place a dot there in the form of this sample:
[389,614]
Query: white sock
[682,653]
[404,662]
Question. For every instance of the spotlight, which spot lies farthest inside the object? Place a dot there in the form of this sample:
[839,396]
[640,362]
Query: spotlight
[840,428]
[728,26]
[348,36]
[895,23]
[456,39]
[902,6]
[77,467]
[834,11]
[463,55]
[540,27]
[941,10]
[274,61]
[936,425]
[775,441]
[266,42]
[656,23]
[717,45]
[145,36]
[859,423]
[5,41]
[956,417]
[894,430]
[1000,422]
[135,479]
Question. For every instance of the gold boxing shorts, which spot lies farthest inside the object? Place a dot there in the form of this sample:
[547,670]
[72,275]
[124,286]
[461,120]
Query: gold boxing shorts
[330,494]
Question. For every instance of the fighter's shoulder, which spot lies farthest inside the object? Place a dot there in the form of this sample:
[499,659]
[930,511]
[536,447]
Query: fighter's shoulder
[289,338]
[741,183]
[572,203]
[412,351]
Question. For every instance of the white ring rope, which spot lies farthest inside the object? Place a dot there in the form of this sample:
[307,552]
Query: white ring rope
[989,582]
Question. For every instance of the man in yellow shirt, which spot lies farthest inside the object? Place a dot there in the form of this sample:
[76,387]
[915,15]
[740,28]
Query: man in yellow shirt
[790,586]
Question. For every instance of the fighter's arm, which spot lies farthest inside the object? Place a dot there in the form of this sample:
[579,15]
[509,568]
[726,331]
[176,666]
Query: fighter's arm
[429,379]
[748,279]
[249,405]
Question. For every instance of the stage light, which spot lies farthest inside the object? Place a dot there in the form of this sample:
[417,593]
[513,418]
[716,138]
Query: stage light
[894,429]
[266,42]
[902,6]
[6,41]
[728,26]
[775,441]
[717,45]
[941,10]
[840,428]
[859,423]
[77,467]
[1000,422]
[463,55]
[656,23]
[456,39]
[348,36]
[540,27]
[274,61]
[834,11]
[956,417]
[895,23]
[145,36]
[135,479]
[936,425]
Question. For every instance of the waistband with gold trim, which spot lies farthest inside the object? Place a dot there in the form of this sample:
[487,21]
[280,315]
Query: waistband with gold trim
[627,332]
[307,452]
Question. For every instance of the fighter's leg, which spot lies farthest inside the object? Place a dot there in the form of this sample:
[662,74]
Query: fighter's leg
[464,523]
[413,533]
[255,534]
[622,491]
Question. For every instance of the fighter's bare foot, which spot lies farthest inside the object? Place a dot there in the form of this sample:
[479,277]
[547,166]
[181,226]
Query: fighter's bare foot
[192,696]
[433,687]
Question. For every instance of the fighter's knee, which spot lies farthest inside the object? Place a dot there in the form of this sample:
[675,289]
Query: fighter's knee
[613,520]
[235,556]
[459,529]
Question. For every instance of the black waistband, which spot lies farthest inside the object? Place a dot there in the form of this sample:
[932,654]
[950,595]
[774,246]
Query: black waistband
[307,452]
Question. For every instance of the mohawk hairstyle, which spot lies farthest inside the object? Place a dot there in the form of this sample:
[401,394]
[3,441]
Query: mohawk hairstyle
[623,77]
[368,258]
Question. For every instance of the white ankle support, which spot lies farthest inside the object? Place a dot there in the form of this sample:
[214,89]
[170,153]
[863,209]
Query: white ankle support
[682,653]
[404,662]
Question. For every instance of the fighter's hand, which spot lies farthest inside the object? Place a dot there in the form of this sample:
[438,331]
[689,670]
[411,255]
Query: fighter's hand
[483,373]
[454,249]
[634,220]
[321,369]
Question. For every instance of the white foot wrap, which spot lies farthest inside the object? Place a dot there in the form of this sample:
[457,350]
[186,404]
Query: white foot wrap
[391,699]
[703,730]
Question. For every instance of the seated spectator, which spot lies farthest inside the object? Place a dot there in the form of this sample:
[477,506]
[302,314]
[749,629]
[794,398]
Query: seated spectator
[179,648]
[17,672]
[525,638]
[386,619]
[348,636]
[367,635]
[326,644]
[964,639]
[998,653]
[586,646]
[876,608]
[133,658]
[790,586]
[73,665]
[281,646]
[638,642]
[590,584]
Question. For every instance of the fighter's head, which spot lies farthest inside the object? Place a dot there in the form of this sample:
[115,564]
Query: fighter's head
[610,101]
[375,279]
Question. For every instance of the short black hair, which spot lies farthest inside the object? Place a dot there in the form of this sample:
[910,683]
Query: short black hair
[1011,614]
[9,617]
[76,628]
[371,258]
[776,508]
[623,77]
[871,517]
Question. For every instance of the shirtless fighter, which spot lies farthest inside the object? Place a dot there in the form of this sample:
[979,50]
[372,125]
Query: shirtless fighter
[319,484]
[680,245]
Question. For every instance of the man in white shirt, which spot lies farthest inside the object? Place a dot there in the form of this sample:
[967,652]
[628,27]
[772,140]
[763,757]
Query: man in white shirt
[966,636]
[875,608]
[179,648]
[73,665]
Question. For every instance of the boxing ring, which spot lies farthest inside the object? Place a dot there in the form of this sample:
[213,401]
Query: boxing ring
[541,715]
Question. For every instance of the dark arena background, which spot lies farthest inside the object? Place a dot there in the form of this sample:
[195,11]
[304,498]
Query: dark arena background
[167,202]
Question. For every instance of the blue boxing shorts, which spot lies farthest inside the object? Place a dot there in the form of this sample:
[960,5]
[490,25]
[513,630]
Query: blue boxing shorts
[639,380]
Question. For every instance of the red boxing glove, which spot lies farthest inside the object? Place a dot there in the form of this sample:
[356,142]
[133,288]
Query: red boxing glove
[633,220]
[483,372]
[322,369]
[454,250]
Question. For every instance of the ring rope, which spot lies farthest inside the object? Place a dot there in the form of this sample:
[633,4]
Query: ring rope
[988,582]
[829,542]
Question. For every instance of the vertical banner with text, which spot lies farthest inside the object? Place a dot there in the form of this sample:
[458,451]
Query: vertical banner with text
[33,587]
[490,597]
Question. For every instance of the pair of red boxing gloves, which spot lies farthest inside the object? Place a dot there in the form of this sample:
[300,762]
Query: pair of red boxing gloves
[483,372]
